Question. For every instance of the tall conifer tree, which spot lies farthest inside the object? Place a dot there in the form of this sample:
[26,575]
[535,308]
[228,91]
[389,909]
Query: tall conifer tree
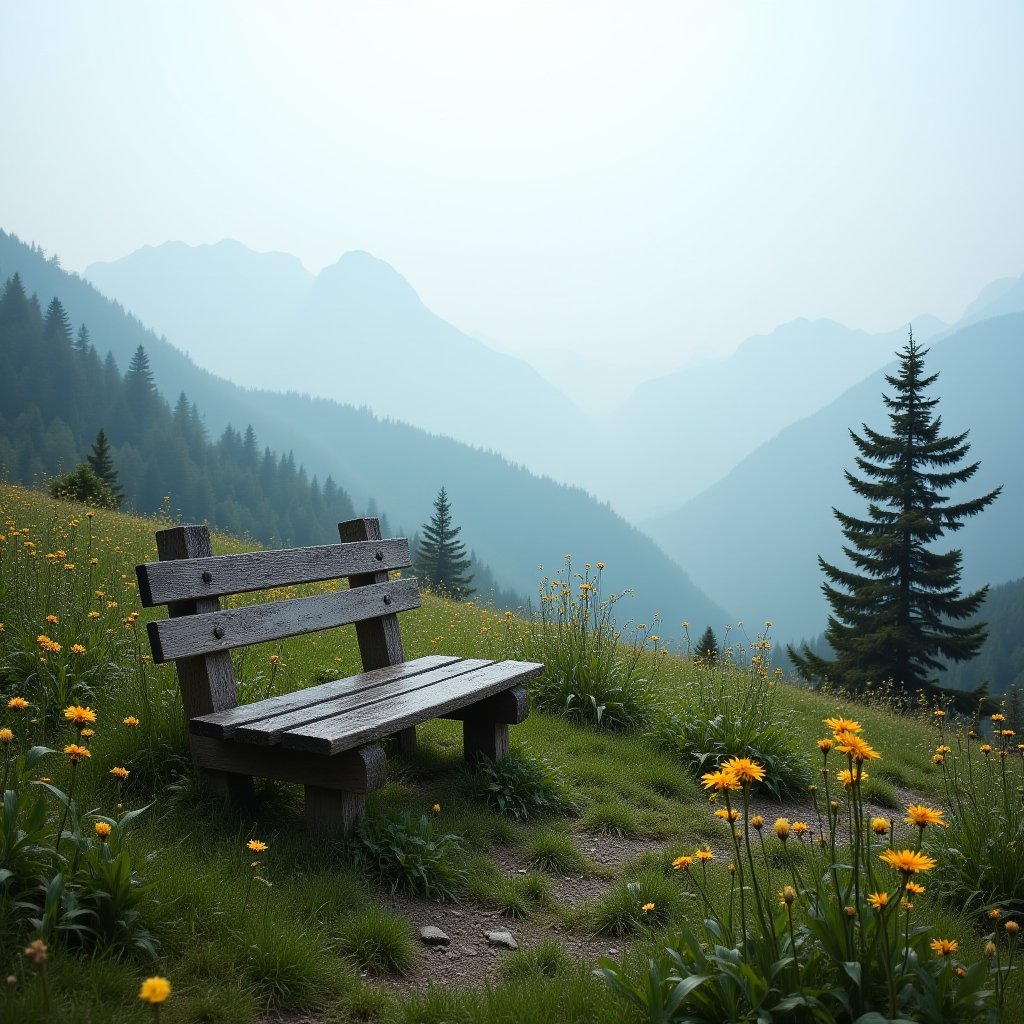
[440,557]
[895,613]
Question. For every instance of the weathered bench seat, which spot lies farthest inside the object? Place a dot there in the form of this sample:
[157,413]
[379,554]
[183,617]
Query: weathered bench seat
[325,736]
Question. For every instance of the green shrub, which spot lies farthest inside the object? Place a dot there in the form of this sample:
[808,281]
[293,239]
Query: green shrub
[545,960]
[521,786]
[731,710]
[510,895]
[613,818]
[979,853]
[621,911]
[378,941]
[592,673]
[407,854]
[83,485]
[554,852]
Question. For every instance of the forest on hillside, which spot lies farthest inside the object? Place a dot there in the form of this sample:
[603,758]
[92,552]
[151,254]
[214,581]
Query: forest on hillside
[57,393]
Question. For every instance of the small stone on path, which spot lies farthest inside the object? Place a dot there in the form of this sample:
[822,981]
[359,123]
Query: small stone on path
[503,939]
[433,936]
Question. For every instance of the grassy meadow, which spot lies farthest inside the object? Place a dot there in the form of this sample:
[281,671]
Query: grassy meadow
[130,874]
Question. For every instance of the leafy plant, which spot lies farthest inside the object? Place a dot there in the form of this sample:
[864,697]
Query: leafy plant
[726,714]
[521,786]
[409,855]
[645,901]
[592,673]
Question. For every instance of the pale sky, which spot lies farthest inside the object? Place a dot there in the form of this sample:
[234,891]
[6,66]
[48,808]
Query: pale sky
[643,180]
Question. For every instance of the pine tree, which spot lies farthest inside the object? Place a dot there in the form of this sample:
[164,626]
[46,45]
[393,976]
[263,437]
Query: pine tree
[102,464]
[82,340]
[894,613]
[58,323]
[140,374]
[441,558]
[706,650]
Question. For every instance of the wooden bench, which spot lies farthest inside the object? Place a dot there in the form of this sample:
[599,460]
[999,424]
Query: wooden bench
[326,737]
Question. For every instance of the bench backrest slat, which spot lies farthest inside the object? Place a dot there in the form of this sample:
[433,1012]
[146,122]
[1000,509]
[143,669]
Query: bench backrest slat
[191,635]
[216,576]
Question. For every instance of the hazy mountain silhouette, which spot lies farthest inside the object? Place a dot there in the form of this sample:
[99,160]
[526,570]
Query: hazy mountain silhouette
[357,333]
[513,519]
[752,538]
[677,435]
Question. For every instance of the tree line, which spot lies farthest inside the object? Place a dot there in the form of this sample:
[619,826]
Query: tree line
[57,396]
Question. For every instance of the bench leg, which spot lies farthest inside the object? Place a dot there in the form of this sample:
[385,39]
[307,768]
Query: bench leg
[228,787]
[407,741]
[480,737]
[330,811]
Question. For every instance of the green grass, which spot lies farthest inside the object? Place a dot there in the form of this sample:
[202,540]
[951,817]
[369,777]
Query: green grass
[328,916]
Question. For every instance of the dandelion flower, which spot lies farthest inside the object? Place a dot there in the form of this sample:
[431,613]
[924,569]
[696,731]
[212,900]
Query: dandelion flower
[437,808]
[1011,927]
[825,745]
[131,721]
[17,703]
[682,863]
[6,736]
[757,821]
[848,778]
[77,649]
[944,947]
[782,827]
[257,846]
[155,990]
[908,862]
[800,828]
[915,889]
[922,815]
[76,753]
[843,725]
[880,826]
[722,779]
[744,769]
[704,855]
[787,897]
[878,899]
[79,715]
[727,815]
[647,908]
[995,718]
[102,829]
[119,773]
[856,747]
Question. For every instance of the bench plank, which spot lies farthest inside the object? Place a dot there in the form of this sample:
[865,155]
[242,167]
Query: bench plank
[184,580]
[197,634]
[223,724]
[378,720]
[270,730]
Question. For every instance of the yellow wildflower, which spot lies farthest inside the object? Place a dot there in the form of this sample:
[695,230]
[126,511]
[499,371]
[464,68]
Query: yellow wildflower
[155,990]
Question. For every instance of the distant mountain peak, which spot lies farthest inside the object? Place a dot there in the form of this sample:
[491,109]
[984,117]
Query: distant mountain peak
[360,279]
